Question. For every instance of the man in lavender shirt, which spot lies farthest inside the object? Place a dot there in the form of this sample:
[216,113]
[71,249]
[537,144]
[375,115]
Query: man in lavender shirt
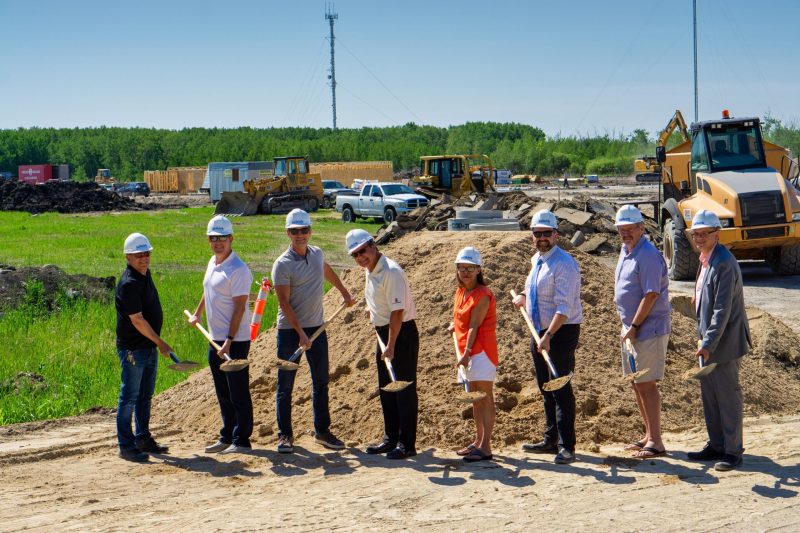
[642,299]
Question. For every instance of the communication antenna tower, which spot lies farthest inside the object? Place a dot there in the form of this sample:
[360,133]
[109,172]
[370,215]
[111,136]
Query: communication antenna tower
[330,16]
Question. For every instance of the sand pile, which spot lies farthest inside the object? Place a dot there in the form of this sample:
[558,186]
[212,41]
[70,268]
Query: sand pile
[606,406]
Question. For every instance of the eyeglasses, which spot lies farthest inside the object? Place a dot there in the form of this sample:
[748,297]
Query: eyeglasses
[697,234]
[215,238]
[141,255]
[468,270]
[548,233]
[363,250]
[300,231]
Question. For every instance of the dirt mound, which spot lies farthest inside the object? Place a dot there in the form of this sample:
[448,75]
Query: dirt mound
[61,196]
[50,284]
[605,405]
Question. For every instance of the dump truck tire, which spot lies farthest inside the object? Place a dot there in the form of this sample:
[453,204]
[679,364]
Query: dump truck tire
[681,260]
[348,215]
[786,260]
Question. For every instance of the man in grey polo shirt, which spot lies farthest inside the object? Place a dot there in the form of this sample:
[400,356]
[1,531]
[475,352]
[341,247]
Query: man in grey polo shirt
[642,298]
[298,275]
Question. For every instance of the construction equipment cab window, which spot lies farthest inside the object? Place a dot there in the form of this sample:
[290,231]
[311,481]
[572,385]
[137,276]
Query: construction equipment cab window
[734,148]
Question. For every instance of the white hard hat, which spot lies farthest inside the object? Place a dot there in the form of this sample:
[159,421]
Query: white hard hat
[469,255]
[297,218]
[628,214]
[705,219]
[544,219]
[355,239]
[219,225]
[135,243]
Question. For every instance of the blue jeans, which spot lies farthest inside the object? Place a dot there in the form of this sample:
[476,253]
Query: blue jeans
[135,395]
[233,395]
[317,357]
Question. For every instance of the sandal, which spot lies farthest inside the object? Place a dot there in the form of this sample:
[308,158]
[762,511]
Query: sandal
[649,453]
[477,455]
[466,450]
[635,446]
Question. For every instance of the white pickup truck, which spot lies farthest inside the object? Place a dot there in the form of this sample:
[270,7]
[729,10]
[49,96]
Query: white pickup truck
[380,200]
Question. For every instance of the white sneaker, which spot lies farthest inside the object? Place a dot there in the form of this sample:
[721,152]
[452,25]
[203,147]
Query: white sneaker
[217,447]
[237,449]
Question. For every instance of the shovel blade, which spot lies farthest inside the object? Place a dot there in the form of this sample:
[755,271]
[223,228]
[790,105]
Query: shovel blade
[183,366]
[470,397]
[397,386]
[557,383]
[234,365]
[635,375]
[697,373]
[283,364]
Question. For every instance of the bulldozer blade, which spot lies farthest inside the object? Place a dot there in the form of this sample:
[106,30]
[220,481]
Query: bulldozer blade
[236,203]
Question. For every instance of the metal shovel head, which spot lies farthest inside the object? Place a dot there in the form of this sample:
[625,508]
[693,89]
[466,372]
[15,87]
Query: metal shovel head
[396,386]
[183,366]
[635,375]
[284,364]
[557,383]
[234,365]
[697,373]
[470,397]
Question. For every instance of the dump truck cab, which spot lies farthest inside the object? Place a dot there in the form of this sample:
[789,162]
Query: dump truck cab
[454,174]
[726,167]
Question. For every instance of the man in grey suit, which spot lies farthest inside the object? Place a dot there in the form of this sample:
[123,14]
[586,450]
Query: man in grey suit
[725,338]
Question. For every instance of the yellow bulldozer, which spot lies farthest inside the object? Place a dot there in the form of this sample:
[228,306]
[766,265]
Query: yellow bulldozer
[647,168]
[751,185]
[290,187]
[454,174]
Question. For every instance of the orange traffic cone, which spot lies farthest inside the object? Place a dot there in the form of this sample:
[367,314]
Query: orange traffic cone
[261,301]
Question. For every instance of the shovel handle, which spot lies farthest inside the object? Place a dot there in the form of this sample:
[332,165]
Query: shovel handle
[174,357]
[631,359]
[296,355]
[700,359]
[205,333]
[388,363]
[461,373]
[535,334]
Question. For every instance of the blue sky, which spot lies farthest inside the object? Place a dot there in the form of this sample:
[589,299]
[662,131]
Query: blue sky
[569,67]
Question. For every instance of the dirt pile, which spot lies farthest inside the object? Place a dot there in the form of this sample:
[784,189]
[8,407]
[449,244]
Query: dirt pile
[605,405]
[46,285]
[588,222]
[60,196]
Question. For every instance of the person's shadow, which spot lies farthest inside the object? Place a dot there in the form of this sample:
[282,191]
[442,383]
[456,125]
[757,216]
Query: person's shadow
[302,461]
[208,465]
[785,476]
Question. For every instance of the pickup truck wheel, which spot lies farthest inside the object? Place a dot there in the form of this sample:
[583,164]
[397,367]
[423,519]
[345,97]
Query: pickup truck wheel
[681,259]
[348,215]
[389,214]
[326,202]
[786,260]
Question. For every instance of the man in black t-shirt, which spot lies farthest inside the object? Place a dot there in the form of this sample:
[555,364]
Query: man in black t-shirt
[139,319]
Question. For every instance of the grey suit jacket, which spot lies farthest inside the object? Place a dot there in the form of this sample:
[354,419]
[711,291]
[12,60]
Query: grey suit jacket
[721,319]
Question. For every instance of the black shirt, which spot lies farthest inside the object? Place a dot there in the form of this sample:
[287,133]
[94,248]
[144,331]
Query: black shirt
[136,293]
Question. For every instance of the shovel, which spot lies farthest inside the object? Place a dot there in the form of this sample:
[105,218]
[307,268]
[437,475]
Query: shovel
[466,396]
[394,386]
[230,365]
[703,370]
[181,366]
[635,374]
[555,382]
[291,363]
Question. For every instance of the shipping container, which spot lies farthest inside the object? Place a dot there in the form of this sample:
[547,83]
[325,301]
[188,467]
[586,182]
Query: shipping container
[346,172]
[33,174]
[230,177]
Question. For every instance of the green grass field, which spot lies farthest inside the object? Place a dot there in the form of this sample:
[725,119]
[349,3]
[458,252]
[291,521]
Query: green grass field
[73,349]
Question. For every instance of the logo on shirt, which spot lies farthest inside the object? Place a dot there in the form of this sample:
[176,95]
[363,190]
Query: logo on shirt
[397,300]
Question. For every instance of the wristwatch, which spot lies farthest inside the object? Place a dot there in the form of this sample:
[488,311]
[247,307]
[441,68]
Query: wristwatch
[230,337]
[635,326]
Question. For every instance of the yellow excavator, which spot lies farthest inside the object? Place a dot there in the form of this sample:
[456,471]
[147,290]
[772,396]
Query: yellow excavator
[647,168]
[749,183]
[290,187]
[454,174]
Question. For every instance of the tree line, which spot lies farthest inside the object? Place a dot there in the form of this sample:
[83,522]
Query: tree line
[522,148]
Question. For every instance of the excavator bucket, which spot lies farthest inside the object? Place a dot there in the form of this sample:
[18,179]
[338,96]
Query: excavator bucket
[236,203]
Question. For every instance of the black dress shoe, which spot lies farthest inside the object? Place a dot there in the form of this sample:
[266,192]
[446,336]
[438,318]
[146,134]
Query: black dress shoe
[383,447]
[151,446]
[401,452]
[541,447]
[706,454]
[728,462]
[133,455]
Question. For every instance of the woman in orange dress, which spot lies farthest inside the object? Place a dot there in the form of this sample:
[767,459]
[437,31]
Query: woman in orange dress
[474,324]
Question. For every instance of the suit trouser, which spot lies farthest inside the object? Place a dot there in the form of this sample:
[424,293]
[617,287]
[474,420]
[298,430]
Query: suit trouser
[400,409]
[723,407]
[233,395]
[559,405]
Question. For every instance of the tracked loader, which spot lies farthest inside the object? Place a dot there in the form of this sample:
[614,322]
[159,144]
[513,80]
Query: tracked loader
[454,175]
[290,187]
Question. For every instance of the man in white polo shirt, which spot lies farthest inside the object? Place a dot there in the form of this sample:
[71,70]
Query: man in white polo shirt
[392,312]
[226,288]
[298,275]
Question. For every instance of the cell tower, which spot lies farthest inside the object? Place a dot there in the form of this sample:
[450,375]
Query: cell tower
[330,16]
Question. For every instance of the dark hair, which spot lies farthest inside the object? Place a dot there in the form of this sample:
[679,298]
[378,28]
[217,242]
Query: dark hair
[480,278]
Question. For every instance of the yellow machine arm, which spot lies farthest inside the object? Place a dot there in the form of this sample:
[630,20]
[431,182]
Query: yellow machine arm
[675,122]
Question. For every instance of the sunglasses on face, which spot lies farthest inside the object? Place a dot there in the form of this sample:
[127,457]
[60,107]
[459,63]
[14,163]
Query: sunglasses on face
[538,234]
[697,234]
[300,231]
[215,238]
[363,250]
[141,255]
[467,269]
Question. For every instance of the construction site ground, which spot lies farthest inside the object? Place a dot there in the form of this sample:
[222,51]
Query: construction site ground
[65,475]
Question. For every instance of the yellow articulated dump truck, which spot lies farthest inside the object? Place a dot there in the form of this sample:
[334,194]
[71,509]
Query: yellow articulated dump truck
[454,175]
[751,184]
[291,186]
